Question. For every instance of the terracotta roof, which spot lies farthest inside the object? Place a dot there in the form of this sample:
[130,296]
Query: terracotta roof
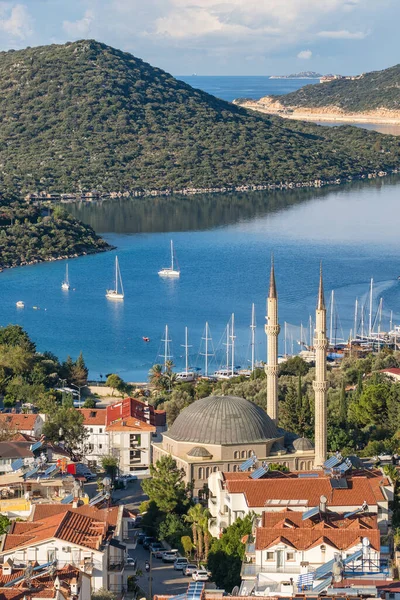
[294,520]
[305,539]
[392,371]
[107,515]
[130,424]
[15,450]
[18,421]
[83,526]
[93,416]
[259,492]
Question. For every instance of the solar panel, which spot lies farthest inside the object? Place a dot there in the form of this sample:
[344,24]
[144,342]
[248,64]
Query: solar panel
[323,585]
[305,580]
[67,499]
[35,446]
[308,475]
[339,484]
[345,467]
[259,472]
[354,556]
[324,569]
[354,512]
[333,461]
[31,472]
[50,470]
[310,513]
[247,464]
[17,464]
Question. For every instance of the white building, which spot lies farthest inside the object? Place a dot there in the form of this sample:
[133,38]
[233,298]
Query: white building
[86,537]
[233,495]
[29,424]
[97,442]
[130,442]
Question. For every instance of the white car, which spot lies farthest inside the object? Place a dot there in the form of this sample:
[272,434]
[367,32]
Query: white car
[200,575]
[170,556]
[127,478]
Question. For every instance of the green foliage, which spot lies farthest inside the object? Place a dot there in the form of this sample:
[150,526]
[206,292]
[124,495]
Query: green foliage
[115,383]
[84,116]
[103,594]
[89,403]
[294,366]
[375,90]
[66,424]
[187,545]
[110,466]
[167,488]
[4,524]
[172,528]
[226,554]
[32,238]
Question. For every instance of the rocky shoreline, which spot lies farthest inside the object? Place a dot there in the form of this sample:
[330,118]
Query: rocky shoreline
[55,258]
[271,106]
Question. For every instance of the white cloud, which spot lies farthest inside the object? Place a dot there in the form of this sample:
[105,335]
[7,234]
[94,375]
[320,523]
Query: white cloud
[81,27]
[343,34]
[15,20]
[305,54]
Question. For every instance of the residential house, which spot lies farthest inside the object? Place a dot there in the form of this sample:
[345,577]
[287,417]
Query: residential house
[85,537]
[12,451]
[98,439]
[29,424]
[130,442]
[233,495]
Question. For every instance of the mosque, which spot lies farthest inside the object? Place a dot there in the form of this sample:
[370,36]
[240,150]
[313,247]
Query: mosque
[219,432]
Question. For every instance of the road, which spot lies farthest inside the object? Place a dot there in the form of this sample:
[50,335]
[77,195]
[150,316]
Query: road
[165,579]
[131,497]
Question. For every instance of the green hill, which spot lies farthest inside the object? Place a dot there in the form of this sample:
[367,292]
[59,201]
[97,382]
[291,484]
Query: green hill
[86,116]
[375,90]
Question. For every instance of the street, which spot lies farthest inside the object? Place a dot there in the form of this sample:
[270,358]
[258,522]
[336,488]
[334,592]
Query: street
[165,579]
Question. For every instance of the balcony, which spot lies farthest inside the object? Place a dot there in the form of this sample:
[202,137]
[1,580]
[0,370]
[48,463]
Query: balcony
[116,567]
[252,570]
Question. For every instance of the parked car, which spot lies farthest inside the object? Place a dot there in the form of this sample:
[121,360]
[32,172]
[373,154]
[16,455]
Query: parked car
[170,556]
[200,575]
[141,537]
[147,541]
[155,546]
[129,477]
[180,564]
[189,569]
[84,471]
[130,562]
[159,553]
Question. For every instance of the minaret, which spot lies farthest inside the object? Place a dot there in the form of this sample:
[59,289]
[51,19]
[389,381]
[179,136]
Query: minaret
[272,330]
[320,383]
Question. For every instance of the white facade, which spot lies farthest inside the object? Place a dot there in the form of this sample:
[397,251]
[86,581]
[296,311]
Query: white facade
[131,448]
[97,444]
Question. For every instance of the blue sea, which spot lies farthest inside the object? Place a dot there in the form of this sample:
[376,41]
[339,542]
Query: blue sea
[223,245]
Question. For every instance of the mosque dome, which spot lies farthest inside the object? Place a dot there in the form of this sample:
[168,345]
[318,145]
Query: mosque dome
[223,421]
[199,452]
[303,444]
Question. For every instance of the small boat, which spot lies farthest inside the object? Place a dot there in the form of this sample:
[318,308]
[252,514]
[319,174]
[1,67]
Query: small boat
[170,271]
[118,292]
[65,284]
[20,304]
[145,339]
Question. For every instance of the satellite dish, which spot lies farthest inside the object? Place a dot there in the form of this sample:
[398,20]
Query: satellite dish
[365,542]
[323,499]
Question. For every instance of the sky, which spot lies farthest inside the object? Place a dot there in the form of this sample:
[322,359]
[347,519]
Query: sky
[219,37]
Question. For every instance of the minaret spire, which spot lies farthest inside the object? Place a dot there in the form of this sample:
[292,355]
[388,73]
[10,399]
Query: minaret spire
[320,383]
[272,331]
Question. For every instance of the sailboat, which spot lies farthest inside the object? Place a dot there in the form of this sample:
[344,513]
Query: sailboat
[118,292]
[170,271]
[65,284]
[186,375]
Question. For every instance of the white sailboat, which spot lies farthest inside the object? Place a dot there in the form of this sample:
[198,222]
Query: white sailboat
[187,374]
[118,292]
[170,271]
[65,284]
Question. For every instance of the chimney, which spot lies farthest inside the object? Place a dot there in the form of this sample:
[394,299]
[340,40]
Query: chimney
[322,504]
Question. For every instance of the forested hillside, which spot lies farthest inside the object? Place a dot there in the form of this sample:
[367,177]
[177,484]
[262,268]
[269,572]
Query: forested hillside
[86,116]
[375,90]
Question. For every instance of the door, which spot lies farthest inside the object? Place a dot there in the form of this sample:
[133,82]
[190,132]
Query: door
[279,560]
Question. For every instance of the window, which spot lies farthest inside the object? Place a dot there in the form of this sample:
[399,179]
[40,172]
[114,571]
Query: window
[250,453]
[243,453]
[323,549]
[100,446]
[270,555]
[236,454]
[290,556]
[101,430]
[201,473]
[91,430]
[234,468]
[51,555]
[215,469]
[90,446]
[208,470]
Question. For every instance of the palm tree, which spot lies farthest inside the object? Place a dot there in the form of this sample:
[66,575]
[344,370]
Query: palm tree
[193,517]
[156,376]
[205,532]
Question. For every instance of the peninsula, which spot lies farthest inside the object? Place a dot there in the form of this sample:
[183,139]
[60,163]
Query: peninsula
[302,75]
[84,116]
[29,235]
[370,97]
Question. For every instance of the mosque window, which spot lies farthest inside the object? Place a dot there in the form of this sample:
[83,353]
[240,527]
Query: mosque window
[234,468]
[215,469]
[250,453]
[243,453]
[208,470]
[236,454]
[201,473]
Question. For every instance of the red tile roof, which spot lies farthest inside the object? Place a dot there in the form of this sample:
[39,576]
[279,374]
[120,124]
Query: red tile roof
[391,371]
[130,424]
[305,539]
[26,422]
[132,407]
[93,416]
[294,519]
[42,587]
[260,491]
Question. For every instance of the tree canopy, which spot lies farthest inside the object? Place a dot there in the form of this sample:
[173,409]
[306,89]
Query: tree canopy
[167,488]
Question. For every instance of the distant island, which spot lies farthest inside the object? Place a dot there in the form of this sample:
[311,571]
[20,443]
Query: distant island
[369,97]
[84,119]
[302,75]
[29,235]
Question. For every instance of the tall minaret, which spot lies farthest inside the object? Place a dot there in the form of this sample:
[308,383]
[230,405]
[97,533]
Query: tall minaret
[320,383]
[272,330]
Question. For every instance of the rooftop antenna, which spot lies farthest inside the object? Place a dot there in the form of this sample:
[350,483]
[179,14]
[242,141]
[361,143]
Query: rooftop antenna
[206,354]
[253,335]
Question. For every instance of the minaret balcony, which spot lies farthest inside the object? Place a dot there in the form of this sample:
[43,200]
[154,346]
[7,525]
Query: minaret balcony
[272,329]
[320,386]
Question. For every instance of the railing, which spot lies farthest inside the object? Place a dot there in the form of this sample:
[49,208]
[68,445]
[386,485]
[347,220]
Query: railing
[252,570]
[116,566]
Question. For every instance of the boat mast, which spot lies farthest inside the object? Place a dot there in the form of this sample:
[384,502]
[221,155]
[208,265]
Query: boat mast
[391,321]
[206,355]
[253,335]
[233,342]
[186,346]
[370,307]
[362,320]
[166,348]
[227,346]
[66,274]
[355,318]
[331,318]
[285,336]
[172,255]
